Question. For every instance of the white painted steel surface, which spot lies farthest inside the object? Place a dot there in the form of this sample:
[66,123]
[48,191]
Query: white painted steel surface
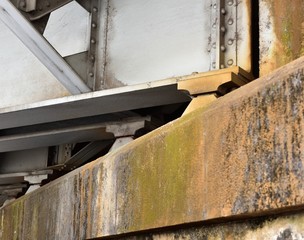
[23,79]
[41,48]
[68,29]
[139,41]
[150,40]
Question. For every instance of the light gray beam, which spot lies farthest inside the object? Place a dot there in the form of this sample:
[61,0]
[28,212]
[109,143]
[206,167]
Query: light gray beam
[38,45]
[93,104]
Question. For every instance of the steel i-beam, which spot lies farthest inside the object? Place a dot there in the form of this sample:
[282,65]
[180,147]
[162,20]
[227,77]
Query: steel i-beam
[40,47]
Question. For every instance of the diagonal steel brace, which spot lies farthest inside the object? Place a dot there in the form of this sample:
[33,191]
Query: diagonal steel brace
[40,47]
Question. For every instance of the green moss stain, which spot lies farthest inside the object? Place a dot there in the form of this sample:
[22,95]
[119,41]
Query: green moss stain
[17,220]
[289,29]
[287,36]
[158,175]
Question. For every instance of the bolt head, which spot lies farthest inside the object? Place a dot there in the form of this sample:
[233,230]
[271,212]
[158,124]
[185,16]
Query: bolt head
[230,62]
[230,41]
[230,3]
[22,4]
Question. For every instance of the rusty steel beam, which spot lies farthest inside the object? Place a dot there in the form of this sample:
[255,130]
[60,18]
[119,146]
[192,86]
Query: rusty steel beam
[239,157]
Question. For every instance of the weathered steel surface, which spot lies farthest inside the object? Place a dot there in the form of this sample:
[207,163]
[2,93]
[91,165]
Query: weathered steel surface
[242,155]
[289,227]
[281,33]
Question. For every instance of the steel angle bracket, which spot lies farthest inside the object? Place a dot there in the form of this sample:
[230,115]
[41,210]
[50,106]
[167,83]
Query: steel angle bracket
[230,33]
[40,47]
[218,82]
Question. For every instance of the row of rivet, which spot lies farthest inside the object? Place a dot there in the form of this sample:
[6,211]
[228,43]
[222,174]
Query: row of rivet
[93,45]
[221,23]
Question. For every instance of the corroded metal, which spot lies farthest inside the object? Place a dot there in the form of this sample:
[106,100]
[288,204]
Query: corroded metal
[281,33]
[242,157]
[218,81]
[286,227]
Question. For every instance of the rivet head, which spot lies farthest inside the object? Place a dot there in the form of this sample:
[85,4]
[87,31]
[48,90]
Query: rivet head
[22,4]
[230,41]
[230,62]
[214,45]
[230,3]
[230,21]
[92,58]
[93,41]
[223,11]
[214,65]
[222,66]
[214,6]
[94,25]
[214,25]
[91,74]
[223,48]
[223,29]
[95,9]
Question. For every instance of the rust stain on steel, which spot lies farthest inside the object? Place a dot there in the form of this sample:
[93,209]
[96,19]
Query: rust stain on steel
[282,33]
[241,155]
[279,228]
